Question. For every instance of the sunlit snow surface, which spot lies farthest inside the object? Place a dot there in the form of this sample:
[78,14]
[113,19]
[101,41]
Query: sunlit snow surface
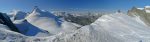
[116,27]
[123,27]
[44,20]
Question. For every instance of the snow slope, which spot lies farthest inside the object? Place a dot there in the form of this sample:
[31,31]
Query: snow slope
[109,28]
[115,27]
[30,30]
[9,36]
[18,15]
[123,27]
[44,20]
[69,26]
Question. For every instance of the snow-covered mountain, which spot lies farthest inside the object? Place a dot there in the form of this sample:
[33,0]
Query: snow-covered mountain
[24,27]
[30,30]
[44,20]
[17,15]
[123,27]
[43,26]
[116,27]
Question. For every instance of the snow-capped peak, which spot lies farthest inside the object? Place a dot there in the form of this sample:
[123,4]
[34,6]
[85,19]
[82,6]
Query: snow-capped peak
[36,9]
[44,20]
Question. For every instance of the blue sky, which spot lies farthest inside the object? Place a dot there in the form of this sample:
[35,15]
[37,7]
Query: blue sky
[107,5]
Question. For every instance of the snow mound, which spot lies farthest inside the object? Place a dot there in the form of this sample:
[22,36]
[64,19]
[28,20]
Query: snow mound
[44,20]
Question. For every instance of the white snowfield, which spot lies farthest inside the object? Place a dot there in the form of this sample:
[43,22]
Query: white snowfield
[117,27]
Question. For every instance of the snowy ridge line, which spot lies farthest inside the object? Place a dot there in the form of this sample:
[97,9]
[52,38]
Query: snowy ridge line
[108,28]
[43,26]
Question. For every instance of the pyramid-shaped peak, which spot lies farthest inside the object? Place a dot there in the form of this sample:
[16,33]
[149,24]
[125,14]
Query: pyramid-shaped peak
[36,9]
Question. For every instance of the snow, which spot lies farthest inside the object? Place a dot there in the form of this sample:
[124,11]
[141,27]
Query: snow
[4,27]
[42,26]
[70,27]
[123,27]
[147,11]
[141,14]
[140,8]
[10,36]
[108,28]
[18,15]
[137,18]
[147,7]
[28,29]
[44,20]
